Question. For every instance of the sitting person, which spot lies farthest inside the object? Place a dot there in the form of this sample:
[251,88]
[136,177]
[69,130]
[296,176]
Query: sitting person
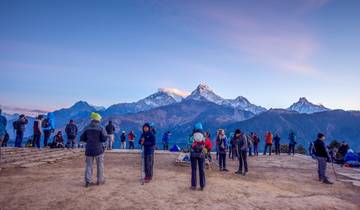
[58,141]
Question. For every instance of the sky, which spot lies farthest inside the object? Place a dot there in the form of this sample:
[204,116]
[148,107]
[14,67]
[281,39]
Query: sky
[54,53]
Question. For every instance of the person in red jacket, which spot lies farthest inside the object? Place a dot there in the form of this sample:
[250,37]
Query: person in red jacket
[208,145]
[268,142]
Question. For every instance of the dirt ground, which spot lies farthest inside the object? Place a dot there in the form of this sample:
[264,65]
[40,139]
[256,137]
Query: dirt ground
[273,183]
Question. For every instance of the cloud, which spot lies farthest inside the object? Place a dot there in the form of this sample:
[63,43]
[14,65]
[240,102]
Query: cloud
[175,91]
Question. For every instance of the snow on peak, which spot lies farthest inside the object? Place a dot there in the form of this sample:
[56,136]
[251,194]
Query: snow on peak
[203,92]
[305,106]
[177,94]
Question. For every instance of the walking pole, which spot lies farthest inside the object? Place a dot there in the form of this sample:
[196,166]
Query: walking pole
[142,166]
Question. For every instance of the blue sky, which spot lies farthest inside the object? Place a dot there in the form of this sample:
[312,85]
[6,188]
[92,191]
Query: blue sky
[54,53]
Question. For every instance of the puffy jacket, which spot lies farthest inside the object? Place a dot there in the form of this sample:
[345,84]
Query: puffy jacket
[149,142]
[37,127]
[221,144]
[208,144]
[110,128]
[3,123]
[51,120]
[242,143]
[292,138]
[94,135]
[320,148]
[165,139]
[268,138]
[21,123]
[71,130]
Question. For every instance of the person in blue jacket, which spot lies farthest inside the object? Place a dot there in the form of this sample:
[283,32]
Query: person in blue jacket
[148,142]
[292,142]
[165,140]
[3,123]
[48,127]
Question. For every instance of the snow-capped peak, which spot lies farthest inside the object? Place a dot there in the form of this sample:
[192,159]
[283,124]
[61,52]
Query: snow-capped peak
[203,92]
[305,106]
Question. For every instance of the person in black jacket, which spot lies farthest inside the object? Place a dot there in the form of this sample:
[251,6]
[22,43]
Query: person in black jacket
[110,130]
[20,129]
[322,155]
[148,142]
[71,131]
[94,135]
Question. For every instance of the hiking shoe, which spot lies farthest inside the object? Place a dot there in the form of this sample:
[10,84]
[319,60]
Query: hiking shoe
[100,183]
[87,184]
[225,170]
[201,188]
[327,182]
[244,173]
[193,188]
[237,172]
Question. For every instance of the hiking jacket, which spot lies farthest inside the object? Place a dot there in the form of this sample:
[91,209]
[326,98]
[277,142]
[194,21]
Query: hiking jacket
[37,127]
[165,139]
[51,120]
[3,123]
[71,130]
[277,139]
[123,137]
[292,138]
[21,123]
[110,129]
[242,143]
[208,144]
[94,135]
[221,144]
[131,136]
[268,138]
[149,142]
[320,148]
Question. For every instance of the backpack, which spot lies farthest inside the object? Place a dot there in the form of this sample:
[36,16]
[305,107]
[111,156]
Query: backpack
[198,150]
[15,125]
[72,131]
[45,123]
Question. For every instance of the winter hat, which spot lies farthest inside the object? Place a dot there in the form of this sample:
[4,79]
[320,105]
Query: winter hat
[320,135]
[95,116]
[146,125]
[237,131]
[198,126]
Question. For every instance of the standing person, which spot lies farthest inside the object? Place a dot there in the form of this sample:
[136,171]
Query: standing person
[250,143]
[123,140]
[48,125]
[221,142]
[256,141]
[37,131]
[19,126]
[148,141]
[166,139]
[242,144]
[322,155]
[131,138]
[292,142]
[197,156]
[110,130]
[71,131]
[208,146]
[277,144]
[3,123]
[94,135]
[268,142]
[233,147]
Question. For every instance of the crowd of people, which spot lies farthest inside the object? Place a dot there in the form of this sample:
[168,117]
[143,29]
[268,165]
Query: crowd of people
[97,139]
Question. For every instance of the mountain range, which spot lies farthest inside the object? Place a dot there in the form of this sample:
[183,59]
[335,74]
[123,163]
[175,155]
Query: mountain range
[170,109]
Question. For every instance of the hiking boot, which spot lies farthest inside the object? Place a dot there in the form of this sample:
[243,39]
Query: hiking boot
[201,188]
[244,173]
[100,183]
[238,172]
[87,184]
[193,188]
[327,182]
[225,170]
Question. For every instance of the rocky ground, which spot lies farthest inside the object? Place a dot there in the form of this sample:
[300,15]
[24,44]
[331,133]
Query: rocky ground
[53,179]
